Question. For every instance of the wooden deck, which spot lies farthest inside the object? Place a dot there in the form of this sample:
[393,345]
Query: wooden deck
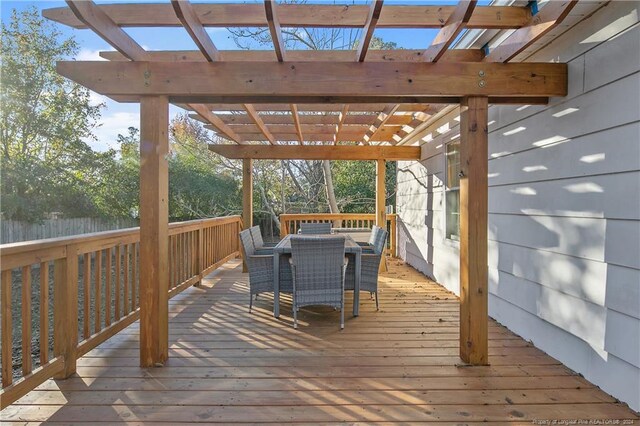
[396,365]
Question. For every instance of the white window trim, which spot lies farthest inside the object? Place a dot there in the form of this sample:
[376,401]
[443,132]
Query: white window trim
[447,241]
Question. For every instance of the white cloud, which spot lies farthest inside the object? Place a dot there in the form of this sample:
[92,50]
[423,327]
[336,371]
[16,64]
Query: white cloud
[96,99]
[89,55]
[110,125]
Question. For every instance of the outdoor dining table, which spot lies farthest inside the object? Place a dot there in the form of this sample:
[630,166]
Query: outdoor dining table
[284,248]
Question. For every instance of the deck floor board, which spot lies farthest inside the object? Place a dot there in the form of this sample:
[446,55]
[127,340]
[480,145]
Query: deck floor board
[396,365]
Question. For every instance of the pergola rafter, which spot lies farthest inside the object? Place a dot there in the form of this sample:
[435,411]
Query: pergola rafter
[353,97]
[187,16]
[450,30]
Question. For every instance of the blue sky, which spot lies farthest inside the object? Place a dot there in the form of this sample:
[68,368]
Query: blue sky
[116,118]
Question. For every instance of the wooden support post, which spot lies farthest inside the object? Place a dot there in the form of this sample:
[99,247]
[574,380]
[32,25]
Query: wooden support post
[65,311]
[247,197]
[381,212]
[473,231]
[154,230]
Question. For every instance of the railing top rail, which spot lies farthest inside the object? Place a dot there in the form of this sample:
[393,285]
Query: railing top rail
[27,246]
[290,216]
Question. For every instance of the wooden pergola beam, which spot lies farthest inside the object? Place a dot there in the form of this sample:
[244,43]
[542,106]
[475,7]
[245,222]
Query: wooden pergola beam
[220,126]
[550,16]
[369,27]
[417,119]
[274,29]
[99,22]
[296,122]
[299,15]
[317,152]
[448,33]
[369,109]
[444,116]
[341,120]
[258,121]
[189,19]
[296,82]
[318,136]
[375,55]
[381,120]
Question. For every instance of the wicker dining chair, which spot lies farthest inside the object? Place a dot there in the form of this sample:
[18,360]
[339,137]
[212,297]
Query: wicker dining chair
[259,265]
[372,238]
[369,268]
[318,265]
[315,228]
[258,242]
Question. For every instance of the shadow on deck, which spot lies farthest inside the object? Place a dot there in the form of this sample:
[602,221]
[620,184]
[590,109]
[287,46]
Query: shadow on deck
[399,364]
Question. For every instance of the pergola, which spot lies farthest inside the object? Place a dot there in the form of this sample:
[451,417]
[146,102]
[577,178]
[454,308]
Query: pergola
[341,105]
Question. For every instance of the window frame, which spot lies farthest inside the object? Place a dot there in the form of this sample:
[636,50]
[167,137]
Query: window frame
[450,238]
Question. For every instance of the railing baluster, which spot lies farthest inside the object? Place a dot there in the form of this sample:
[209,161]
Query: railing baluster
[134,276]
[86,285]
[107,288]
[180,262]
[98,290]
[125,287]
[44,313]
[26,320]
[117,283]
[7,329]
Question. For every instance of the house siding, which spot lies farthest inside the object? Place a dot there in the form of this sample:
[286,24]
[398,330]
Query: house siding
[564,208]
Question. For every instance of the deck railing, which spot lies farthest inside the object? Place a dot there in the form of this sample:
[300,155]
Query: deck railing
[290,223]
[86,290]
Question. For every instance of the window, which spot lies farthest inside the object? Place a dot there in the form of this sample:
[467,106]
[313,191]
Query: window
[452,191]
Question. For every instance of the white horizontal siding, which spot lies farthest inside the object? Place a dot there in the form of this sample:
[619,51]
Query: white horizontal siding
[564,208]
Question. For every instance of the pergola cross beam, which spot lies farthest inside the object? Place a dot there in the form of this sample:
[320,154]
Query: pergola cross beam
[222,15]
[302,82]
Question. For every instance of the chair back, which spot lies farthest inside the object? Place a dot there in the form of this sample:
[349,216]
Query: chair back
[380,241]
[318,264]
[248,248]
[315,228]
[374,232]
[256,235]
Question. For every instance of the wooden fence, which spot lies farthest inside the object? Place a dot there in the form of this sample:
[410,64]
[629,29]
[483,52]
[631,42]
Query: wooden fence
[290,223]
[14,231]
[86,290]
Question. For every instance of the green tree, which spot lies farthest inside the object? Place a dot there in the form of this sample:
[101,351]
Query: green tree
[44,123]
[200,185]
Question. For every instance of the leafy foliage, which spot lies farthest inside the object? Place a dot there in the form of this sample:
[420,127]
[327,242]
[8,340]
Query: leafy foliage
[44,122]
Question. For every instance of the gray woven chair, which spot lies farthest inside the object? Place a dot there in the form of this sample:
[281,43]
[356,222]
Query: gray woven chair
[318,266]
[259,265]
[315,228]
[369,267]
[372,238]
[258,242]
